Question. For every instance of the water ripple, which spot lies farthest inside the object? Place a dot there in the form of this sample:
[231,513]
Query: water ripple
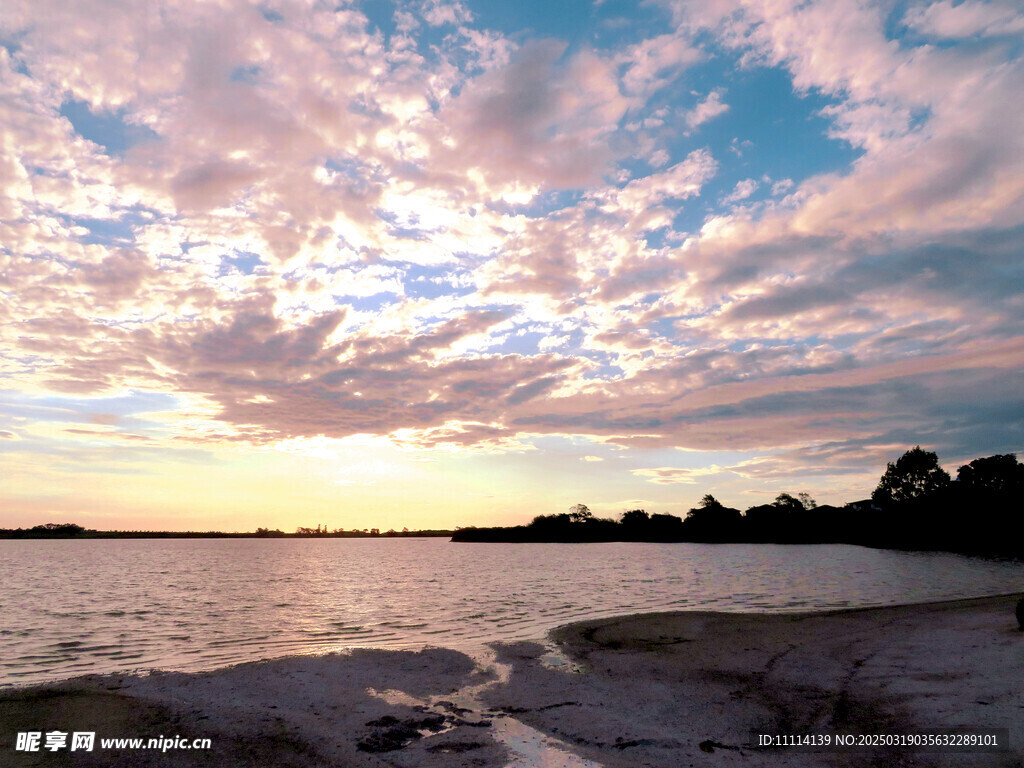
[110,606]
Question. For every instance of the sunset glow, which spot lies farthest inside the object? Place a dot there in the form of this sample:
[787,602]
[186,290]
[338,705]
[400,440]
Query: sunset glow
[433,264]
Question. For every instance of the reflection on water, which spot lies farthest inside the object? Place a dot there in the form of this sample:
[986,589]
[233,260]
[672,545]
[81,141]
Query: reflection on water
[75,607]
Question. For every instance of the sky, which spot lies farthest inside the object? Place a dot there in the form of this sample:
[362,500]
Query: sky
[421,263]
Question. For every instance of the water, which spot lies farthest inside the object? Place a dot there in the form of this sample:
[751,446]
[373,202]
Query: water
[76,607]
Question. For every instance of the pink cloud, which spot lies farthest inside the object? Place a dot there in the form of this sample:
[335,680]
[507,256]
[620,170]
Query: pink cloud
[539,119]
[654,63]
[119,275]
[329,157]
[438,13]
[743,189]
[708,109]
[211,184]
[967,19]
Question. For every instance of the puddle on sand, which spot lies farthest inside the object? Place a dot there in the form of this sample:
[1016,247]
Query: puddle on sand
[532,749]
[554,658]
[528,747]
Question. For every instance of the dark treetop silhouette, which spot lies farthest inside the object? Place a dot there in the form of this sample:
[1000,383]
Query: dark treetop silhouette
[915,506]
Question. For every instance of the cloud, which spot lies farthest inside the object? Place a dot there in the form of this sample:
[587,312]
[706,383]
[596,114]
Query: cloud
[458,236]
[119,275]
[211,184]
[438,13]
[683,180]
[782,409]
[658,158]
[676,475]
[656,62]
[539,119]
[584,249]
[706,110]
[743,189]
[943,19]
[276,382]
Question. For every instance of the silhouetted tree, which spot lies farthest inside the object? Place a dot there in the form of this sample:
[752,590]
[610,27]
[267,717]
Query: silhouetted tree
[58,530]
[787,502]
[806,499]
[914,477]
[635,518]
[775,521]
[580,513]
[998,476]
[708,501]
[666,528]
[992,488]
[550,520]
[710,520]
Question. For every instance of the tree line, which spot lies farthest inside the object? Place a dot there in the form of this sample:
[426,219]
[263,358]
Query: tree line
[916,505]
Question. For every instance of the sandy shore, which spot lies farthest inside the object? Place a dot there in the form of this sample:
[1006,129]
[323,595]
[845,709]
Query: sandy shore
[698,688]
[668,690]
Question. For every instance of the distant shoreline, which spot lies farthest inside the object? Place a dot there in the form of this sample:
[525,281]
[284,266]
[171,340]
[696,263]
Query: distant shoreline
[28,534]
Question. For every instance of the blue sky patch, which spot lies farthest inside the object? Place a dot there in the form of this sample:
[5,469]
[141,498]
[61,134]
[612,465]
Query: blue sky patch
[374,303]
[245,262]
[109,130]
[105,231]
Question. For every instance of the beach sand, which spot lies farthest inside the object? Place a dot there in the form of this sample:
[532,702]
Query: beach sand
[671,690]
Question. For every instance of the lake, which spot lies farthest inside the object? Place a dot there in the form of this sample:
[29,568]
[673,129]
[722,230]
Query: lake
[74,607]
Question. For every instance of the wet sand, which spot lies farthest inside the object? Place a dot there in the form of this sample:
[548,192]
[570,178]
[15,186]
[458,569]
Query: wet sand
[683,689]
[658,690]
